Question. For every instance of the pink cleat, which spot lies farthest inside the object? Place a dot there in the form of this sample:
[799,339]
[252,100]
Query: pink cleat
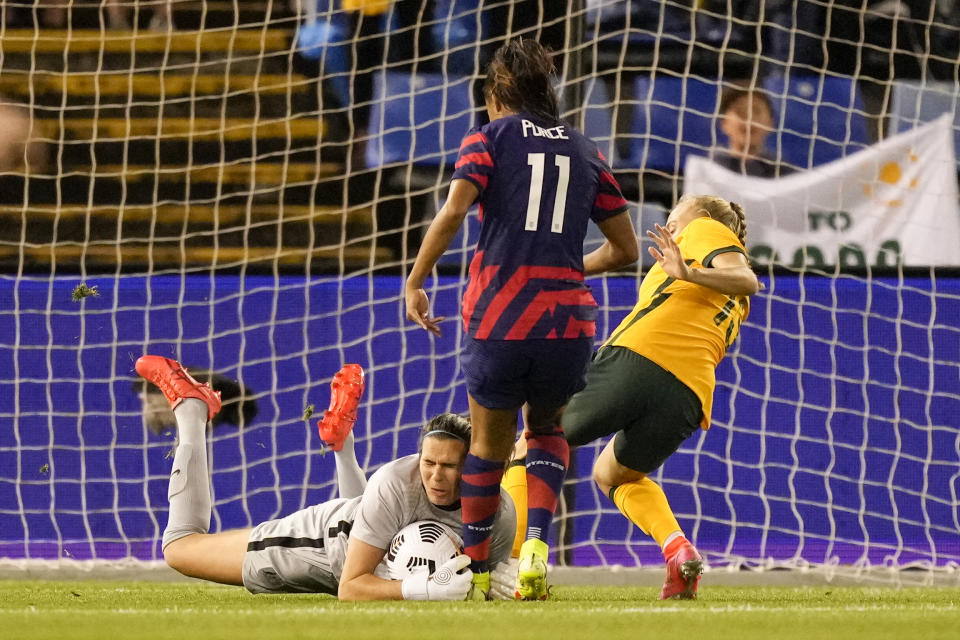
[683,574]
[338,420]
[176,384]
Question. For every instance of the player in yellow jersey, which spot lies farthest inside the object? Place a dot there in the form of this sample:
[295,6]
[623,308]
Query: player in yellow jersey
[651,383]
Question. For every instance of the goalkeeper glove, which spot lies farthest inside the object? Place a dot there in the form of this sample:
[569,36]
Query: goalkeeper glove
[448,582]
[503,580]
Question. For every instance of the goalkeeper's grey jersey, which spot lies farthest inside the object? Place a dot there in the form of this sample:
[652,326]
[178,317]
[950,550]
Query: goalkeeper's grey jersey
[395,497]
[305,551]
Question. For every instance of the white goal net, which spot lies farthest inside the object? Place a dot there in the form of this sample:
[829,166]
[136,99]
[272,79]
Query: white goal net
[243,185]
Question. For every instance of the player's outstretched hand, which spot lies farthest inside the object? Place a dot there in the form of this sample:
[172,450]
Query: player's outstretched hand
[418,310]
[669,256]
[451,581]
[503,580]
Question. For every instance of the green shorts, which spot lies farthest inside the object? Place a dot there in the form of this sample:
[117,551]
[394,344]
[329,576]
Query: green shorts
[649,409]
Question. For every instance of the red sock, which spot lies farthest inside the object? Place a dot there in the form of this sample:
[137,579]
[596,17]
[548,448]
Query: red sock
[548,456]
[479,501]
[671,549]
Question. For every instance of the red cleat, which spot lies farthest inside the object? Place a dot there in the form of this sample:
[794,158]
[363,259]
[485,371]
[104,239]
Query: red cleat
[338,420]
[176,384]
[683,574]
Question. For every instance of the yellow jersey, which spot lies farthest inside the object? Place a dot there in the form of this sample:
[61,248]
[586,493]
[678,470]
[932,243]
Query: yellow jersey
[684,327]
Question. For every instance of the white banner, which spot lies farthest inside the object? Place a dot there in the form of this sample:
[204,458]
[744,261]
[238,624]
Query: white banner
[895,201]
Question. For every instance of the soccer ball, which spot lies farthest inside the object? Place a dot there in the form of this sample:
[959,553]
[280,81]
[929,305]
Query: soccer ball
[421,546]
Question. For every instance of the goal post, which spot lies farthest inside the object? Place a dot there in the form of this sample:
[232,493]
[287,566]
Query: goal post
[245,190]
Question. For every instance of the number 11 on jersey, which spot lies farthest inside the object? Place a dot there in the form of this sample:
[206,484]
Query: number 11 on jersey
[537,162]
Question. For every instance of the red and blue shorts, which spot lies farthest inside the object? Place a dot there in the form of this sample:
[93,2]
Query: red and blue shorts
[505,374]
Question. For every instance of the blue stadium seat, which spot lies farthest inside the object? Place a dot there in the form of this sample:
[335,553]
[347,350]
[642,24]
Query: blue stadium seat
[328,41]
[665,24]
[816,119]
[668,110]
[608,23]
[418,118]
[916,103]
[674,118]
[457,32]
[598,119]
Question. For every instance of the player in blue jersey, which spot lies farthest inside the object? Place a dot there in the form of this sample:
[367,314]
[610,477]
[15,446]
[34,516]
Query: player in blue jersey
[528,316]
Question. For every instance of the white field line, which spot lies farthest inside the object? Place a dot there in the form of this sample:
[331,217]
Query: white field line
[604,610]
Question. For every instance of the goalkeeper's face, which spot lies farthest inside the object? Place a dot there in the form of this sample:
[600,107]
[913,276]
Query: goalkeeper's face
[440,463]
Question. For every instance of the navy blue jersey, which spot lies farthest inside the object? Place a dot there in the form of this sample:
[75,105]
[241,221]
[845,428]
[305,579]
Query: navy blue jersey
[540,185]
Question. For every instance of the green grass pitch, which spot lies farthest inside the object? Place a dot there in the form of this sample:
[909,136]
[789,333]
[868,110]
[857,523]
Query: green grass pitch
[141,610]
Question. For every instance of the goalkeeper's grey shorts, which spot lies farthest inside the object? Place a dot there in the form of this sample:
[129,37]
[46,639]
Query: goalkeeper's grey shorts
[297,554]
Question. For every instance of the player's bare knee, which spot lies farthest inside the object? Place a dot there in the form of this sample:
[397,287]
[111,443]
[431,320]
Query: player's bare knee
[178,556]
[172,556]
[544,429]
[542,421]
[602,478]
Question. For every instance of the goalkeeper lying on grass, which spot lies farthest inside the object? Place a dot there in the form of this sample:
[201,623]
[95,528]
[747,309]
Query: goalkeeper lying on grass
[334,547]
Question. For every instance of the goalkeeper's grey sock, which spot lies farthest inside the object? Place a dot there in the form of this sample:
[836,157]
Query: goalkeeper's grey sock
[189,491]
[350,479]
